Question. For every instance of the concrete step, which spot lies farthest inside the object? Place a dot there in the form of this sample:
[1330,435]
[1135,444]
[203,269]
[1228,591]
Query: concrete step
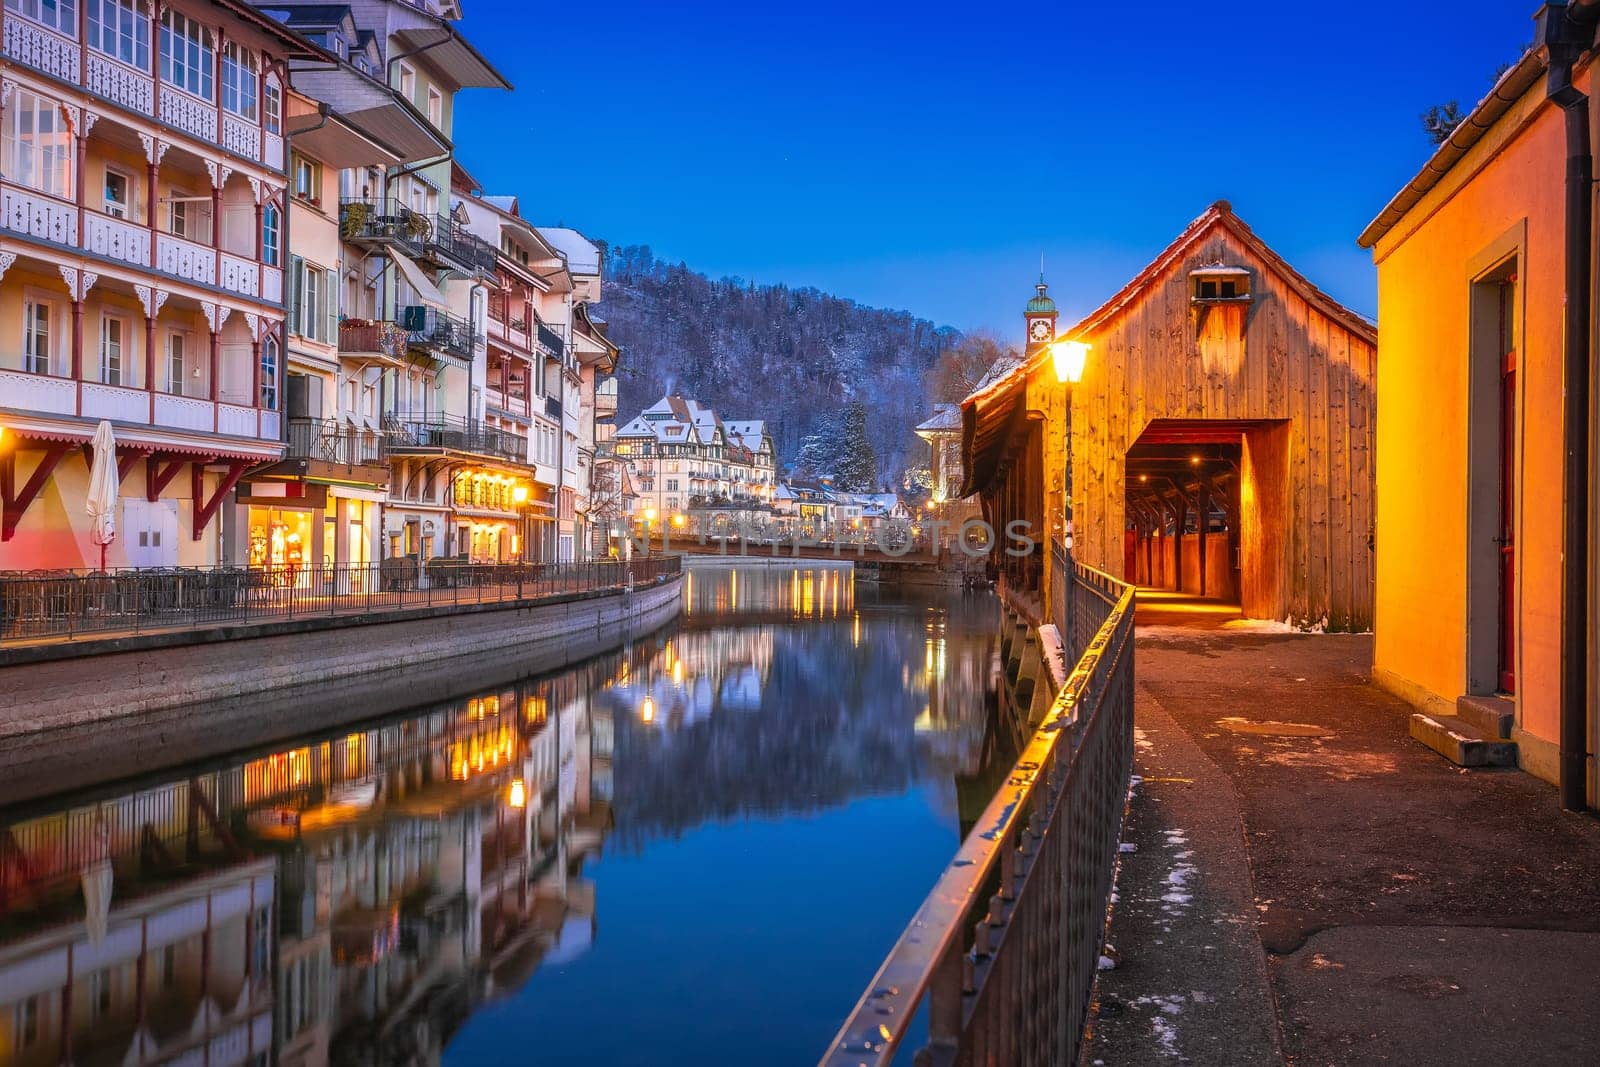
[1493,716]
[1461,742]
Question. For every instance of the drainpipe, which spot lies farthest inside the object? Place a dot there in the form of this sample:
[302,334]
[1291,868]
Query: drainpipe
[1566,32]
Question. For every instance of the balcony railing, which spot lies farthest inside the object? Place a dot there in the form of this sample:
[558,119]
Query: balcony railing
[448,242]
[411,432]
[552,407]
[53,395]
[29,213]
[363,336]
[438,331]
[62,56]
[333,442]
[383,221]
[552,341]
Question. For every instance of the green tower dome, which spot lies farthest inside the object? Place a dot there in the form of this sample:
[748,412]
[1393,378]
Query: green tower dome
[1042,304]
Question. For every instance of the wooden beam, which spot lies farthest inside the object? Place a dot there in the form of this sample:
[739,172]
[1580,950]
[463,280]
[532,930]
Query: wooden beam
[14,504]
[203,513]
[156,478]
[126,458]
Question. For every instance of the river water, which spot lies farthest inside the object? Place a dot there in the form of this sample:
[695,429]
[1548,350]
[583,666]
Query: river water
[694,850]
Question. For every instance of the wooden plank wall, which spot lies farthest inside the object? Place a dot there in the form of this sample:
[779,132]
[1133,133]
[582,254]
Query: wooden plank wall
[1295,363]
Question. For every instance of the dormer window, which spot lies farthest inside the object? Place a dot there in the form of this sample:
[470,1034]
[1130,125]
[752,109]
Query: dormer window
[1219,282]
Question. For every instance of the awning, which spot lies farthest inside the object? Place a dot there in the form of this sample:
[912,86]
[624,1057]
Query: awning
[427,292]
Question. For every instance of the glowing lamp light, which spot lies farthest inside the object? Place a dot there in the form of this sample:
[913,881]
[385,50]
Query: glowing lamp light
[519,494]
[1069,358]
[647,709]
[518,797]
[677,520]
[649,514]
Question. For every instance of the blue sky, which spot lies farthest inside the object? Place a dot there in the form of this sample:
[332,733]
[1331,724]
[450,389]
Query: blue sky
[923,156]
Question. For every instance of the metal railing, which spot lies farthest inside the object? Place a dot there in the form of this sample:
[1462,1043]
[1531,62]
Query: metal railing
[552,407]
[445,238]
[551,340]
[383,220]
[1005,947]
[403,432]
[333,442]
[431,328]
[363,335]
[64,605]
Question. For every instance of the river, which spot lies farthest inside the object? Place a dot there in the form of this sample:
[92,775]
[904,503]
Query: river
[695,850]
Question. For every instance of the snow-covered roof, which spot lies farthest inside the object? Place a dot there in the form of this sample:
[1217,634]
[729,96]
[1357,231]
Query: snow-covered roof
[583,255]
[946,417]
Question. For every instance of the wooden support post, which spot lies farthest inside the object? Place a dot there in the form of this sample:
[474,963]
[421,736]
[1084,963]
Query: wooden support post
[205,509]
[157,478]
[14,503]
[1203,510]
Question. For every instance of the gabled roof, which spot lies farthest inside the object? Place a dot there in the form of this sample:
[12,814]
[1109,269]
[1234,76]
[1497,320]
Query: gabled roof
[946,418]
[1513,82]
[1219,216]
[583,255]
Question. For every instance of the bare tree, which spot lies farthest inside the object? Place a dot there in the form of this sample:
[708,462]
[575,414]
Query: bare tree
[963,366]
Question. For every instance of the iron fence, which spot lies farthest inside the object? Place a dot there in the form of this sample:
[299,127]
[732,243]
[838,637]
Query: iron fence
[331,441]
[1004,949]
[403,431]
[64,605]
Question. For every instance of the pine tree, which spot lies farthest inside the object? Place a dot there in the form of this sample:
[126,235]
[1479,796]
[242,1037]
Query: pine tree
[856,470]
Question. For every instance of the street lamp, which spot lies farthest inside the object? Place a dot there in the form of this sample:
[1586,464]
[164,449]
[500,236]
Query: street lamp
[1068,357]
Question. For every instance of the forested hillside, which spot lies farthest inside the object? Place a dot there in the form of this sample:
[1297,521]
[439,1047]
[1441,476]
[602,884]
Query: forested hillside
[795,357]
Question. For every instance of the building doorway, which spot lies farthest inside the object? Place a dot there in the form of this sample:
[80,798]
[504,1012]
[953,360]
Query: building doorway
[1494,459]
[1206,507]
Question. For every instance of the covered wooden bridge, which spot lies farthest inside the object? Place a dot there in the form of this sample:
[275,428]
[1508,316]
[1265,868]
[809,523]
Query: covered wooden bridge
[1222,435]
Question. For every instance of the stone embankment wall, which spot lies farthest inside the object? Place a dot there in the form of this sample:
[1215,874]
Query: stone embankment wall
[66,723]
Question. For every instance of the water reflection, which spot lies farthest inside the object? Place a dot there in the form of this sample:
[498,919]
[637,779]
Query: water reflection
[356,897]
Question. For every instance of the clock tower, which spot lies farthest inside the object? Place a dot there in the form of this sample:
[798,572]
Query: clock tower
[1041,320]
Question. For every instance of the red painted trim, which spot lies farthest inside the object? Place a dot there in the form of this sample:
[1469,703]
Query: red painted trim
[202,515]
[14,505]
[156,479]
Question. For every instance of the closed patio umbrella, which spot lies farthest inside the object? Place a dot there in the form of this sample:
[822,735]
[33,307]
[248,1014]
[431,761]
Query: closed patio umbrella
[103,485]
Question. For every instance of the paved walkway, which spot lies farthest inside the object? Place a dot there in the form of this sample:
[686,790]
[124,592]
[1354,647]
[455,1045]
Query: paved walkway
[1303,883]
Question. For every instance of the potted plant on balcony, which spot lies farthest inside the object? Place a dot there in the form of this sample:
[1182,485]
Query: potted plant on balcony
[353,220]
[419,226]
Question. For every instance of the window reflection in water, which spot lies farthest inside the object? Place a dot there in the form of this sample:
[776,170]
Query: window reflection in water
[354,897]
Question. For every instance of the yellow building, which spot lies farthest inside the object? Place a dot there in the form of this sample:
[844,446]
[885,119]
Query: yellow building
[1471,259]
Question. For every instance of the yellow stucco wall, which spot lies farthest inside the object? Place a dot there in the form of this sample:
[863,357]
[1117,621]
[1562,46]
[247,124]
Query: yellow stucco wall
[1512,179]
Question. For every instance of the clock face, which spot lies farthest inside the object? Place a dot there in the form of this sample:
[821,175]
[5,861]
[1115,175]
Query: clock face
[1039,329]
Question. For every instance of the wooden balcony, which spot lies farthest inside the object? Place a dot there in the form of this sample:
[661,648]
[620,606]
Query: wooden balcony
[49,395]
[27,213]
[64,58]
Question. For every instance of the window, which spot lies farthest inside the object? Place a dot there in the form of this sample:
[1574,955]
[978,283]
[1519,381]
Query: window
[189,217]
[60,15]
[38,149]
[176,343]
[36,315]
[307,178]
[270,227]
[239,81]
[435,108]
[269,373]
[117,29]
[111,335]
[408,84]
[311,298]
[187,58]
[272,109]
[115,201]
